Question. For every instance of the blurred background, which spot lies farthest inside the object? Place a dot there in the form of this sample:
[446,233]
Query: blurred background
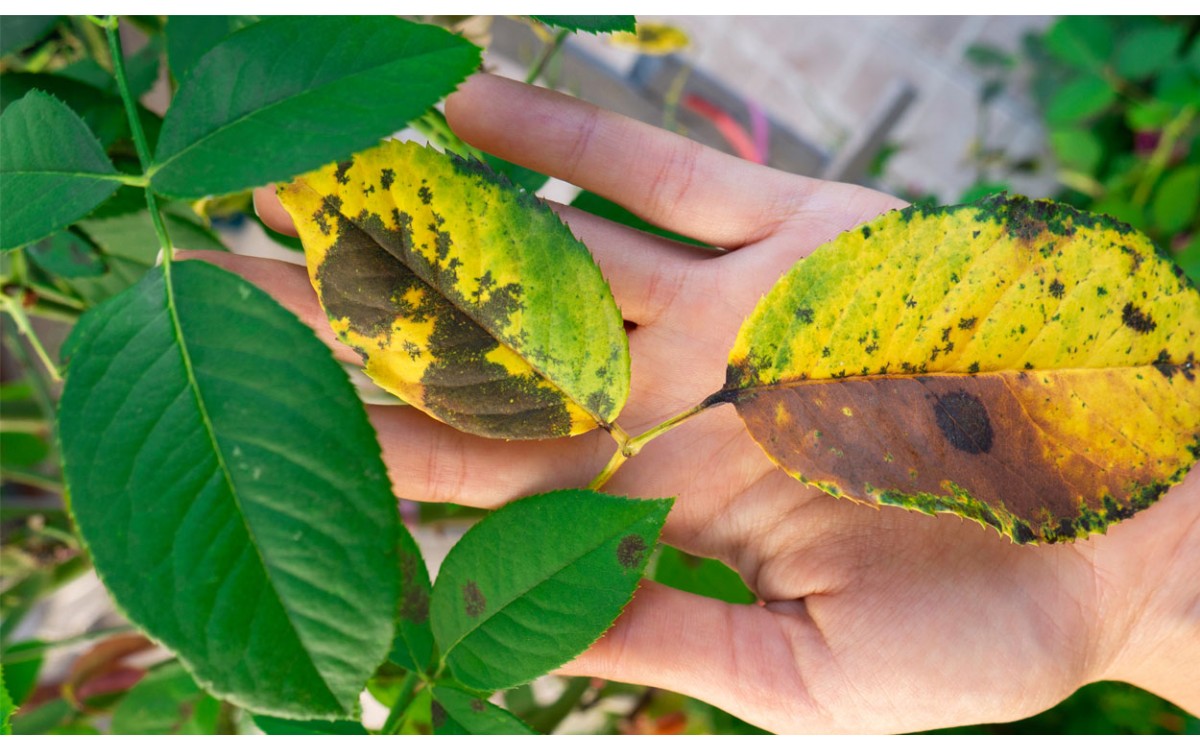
[1098,112]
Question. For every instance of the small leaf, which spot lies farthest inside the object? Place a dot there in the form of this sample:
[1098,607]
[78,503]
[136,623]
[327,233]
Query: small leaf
[67,255]
[295,727]
[1177,200]
[1151,115]
[1017,362]
[413,644]
[21,449]
[1146,51]
[101,110]
[52,169]
[190,37]
[21,673]
[19,32]
[1076,148]
[590,24]
[288,94]
[6,706]
[1083,41]
[456,712]
[1079,100]
[1178,85]
[468,298]
[606,209]
[699,575]
[572,560]
[196,427]
[166,701]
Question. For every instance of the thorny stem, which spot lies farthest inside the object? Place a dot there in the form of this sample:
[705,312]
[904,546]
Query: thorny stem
[628,447]
[1162,154]
[547,55]
[14,308]
[111,28]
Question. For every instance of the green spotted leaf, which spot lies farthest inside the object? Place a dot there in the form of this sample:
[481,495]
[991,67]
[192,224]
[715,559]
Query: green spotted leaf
[412,647]
[230,490]
[590,24]
[456,712]
[288,94]
[67,255]
[1017,362]
[468,298]
[572,560]
[52,169]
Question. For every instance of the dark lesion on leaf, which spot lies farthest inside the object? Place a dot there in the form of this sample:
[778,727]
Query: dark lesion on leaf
[341,173]
[1137,319]
[1169,369]
[1057,289]
[630,551]
[804,315]
[414,599]
[964,422]
[474,602]
[387,177]
[437,714]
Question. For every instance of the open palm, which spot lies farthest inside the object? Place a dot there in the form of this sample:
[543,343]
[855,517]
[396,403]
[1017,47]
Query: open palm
[875,619]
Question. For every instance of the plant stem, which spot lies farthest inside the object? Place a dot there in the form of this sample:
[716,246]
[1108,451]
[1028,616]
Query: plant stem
[547,55]
[111,28]
[395,716]
[41,393]
[628,447]
[13,307]
[33,480]
[1162,154]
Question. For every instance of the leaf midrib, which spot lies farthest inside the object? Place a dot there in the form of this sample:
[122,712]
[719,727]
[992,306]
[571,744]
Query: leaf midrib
[159,165]
[210,432]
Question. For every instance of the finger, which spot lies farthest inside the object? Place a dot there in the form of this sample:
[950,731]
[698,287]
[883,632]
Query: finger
[744,659]
[667,179]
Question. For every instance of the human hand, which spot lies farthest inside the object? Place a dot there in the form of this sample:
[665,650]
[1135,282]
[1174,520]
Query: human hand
[875,619]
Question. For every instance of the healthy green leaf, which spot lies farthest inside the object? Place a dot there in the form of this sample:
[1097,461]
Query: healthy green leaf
[606,209]
[1084,97]
[1017,362]
[590,24]
[67,255]
[21,672]
[1077,149]
[699,575]
[1179,85]
[229,487]
[495,349]
[21,449]
[6,706]
[190,37]
[456,712]
[19,32]
[1177,200]
[166,701]
[52,169]
[275,725]
[1146,51]
[289,94]
[572,560]
[1083,41]
[413,645]
[100,110]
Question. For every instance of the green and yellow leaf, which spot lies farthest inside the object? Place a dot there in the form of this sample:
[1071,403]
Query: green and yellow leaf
[1016,362]
[466,297]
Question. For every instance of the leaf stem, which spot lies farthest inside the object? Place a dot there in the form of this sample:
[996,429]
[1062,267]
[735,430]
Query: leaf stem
[37,384]
[33,480]
[395,717]
[1162,154]
[609,469]
[14,308]
[547,55]
[111,28]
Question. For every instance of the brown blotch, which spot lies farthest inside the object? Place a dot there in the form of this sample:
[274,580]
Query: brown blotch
[963,419]
[473,599]
[437,713]
[630,551]
[1135,318]
[414,599]
[477,705]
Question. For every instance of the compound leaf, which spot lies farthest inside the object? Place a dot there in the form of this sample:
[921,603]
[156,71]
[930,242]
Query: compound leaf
[456,712]
[590,24]
[571,561]
[52,169]
[288,94]
[230,490]
[1017,362]
[467,297]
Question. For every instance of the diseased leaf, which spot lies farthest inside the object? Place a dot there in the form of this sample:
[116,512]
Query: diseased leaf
[467,298]
[52,169]
[288,94]
[699,575]
[295,727]
[412,647]
[1017,362]
[590,24]
[572,560]
[166,701]
[230,490]
[456,712]
[67,255]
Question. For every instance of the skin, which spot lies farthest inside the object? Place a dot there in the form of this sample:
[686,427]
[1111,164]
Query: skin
[875,620]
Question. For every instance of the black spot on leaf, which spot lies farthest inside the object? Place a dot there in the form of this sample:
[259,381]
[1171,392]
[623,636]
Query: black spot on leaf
[387,177]
[342,168]
[1057,290]
[425,194]
[805,314]
[477,705]
[630,551]
[1134,318]
[473,600]
[438,714]
[963,420]
[966,324]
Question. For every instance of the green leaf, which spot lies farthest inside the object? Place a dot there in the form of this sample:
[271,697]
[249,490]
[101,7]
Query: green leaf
[493,351]
[166,701]
[67,255]
[1077,149]
[295,727]
[101,110]
[606,209]
[1146,51]
[321,89]
[1177,200]
[413,645]
[1178,85]
[1082,41]
[590,24]
[1189,259]
[699,575]
[52,169]
[418,717]
[19,32]
[196,427]
[190,37]
[22,449]
[456,712]
[572,560]
[21,673]
[983,360]
[43,719]
[6,706]
[1150,115]
[1081,99]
